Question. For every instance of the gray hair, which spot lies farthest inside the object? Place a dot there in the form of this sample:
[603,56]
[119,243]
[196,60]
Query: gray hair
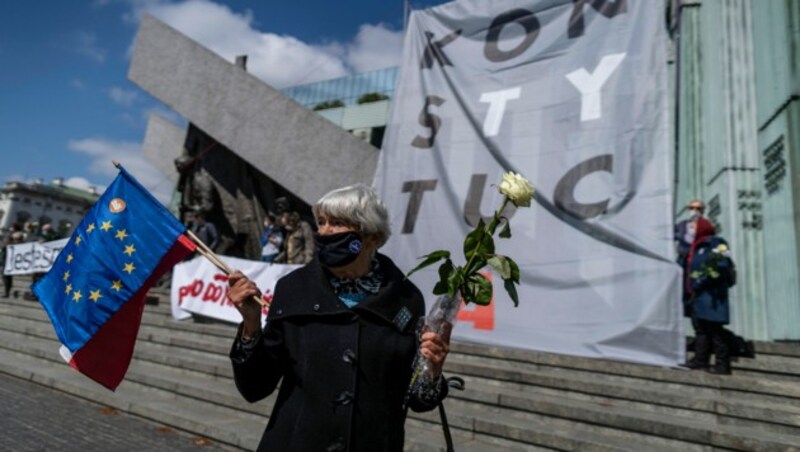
[359,206]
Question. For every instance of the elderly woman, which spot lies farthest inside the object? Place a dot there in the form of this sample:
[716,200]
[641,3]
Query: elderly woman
[340,338]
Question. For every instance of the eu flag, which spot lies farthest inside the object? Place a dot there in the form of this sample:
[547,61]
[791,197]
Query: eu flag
[95,291]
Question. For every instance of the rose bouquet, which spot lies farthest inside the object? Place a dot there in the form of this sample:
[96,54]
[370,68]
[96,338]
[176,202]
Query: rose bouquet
[718,264]
[467,283]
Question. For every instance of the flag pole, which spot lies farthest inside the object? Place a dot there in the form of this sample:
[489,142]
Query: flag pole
[206,252]
[212,257]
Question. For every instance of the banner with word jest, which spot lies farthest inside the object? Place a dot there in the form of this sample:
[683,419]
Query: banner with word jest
[32,257]
[572,95]
[199,287]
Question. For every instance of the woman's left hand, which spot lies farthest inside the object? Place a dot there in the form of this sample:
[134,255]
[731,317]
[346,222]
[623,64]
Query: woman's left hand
[434,348]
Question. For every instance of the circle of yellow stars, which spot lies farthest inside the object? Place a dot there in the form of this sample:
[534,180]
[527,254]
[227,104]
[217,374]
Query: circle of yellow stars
[116,286]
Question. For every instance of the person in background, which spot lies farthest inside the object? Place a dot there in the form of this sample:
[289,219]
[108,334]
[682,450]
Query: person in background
[298,244]
[64,229]
[340,339]
[685,230]
[205,231]
[11,239]
[271,239]
[684,236]
[710,274]
[48,233]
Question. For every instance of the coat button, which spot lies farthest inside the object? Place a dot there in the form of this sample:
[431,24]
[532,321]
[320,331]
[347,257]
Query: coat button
[280,311]
[336,446]
[349,356]
[316,307]
[344,399]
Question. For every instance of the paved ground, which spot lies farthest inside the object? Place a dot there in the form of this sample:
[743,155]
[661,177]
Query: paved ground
[36,418]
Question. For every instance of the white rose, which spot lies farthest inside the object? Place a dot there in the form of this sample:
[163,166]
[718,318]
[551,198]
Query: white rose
[517,189]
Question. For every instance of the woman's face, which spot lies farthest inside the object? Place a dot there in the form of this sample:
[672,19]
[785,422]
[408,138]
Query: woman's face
[327,226]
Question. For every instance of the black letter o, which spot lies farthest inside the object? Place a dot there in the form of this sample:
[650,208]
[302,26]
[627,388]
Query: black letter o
[521,16]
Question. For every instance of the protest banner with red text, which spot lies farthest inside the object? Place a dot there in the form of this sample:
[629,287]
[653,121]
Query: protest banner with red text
[198,287]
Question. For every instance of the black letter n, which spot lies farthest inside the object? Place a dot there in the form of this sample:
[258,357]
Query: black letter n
[605,7]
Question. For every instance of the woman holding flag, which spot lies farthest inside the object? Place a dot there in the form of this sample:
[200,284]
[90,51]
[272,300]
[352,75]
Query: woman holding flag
[340,337]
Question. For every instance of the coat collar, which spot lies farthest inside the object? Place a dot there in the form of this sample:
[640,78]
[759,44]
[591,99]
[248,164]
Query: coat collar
[307,292]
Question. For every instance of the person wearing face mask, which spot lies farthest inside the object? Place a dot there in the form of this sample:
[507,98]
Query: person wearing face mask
[340,338]
[684,236]
[685,230]
[298,245]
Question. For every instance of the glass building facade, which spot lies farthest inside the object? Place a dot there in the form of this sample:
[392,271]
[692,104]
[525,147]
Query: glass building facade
[345,89]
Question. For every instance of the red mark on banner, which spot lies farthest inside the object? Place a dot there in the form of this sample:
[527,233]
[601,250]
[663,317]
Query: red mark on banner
[213,293]
[194,289]
[482,317]
[267,297]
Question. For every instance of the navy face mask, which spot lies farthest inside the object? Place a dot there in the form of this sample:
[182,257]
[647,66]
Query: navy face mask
[338,250]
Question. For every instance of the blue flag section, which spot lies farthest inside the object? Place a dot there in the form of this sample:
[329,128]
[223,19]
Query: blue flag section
[95,291]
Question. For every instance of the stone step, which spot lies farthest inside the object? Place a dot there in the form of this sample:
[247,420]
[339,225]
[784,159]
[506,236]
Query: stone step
[547,384]
[776,361]
[217,390]
[594,367]
[643,395]
[148,373]
[467,365]
[627,418]
[512,360]
[230,425]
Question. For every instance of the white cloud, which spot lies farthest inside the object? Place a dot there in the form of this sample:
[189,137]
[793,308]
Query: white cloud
[77,84]
[166,113]
[103,151]
[374,47]
[279,60]
[82,183]
[124,97]
[86,44]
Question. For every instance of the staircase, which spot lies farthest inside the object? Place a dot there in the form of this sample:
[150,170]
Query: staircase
[514,400]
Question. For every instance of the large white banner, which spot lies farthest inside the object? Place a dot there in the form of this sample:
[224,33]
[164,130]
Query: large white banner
[199,287]
[573,95]
[32,257]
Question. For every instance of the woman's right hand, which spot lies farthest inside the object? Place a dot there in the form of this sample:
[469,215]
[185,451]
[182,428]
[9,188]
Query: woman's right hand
[243,293]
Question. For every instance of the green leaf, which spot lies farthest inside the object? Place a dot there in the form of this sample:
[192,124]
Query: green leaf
[501,265]
[477,264]
[473,239]
[506,231]
[478,290]
[479,243]
[454,280]
[512,291]
[445,272]
[430,259]
[514,269]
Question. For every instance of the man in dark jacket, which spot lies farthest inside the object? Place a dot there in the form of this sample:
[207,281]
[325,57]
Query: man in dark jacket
[205,230]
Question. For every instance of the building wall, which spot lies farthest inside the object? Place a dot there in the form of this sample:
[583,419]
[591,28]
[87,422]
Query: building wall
[40,203]
[728,93]
[776,26]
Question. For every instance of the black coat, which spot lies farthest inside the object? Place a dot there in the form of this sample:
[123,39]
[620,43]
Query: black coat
[345,371]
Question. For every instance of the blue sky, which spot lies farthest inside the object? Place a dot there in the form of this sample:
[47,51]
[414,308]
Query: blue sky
[67,108]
